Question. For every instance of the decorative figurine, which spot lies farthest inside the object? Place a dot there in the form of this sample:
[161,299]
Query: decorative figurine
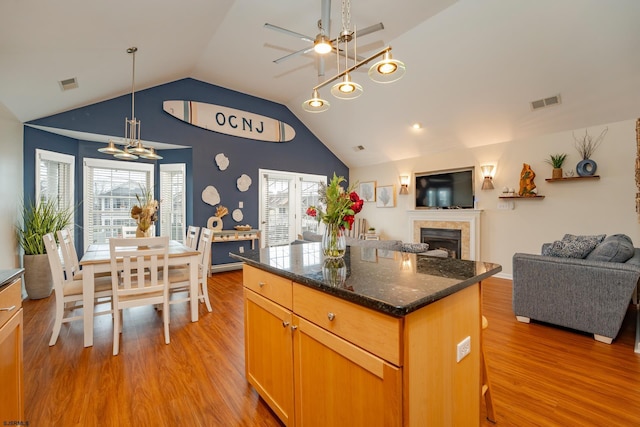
[527,187]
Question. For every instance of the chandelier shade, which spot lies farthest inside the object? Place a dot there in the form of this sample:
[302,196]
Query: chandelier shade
[315,104]
[346,89]
[387,70]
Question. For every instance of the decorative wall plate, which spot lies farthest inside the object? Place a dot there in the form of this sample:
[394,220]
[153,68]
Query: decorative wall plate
[222,161]
[244,182]
[237,215]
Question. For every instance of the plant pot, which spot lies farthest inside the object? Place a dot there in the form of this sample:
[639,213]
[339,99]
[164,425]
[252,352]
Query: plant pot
[37,276]
[556,173]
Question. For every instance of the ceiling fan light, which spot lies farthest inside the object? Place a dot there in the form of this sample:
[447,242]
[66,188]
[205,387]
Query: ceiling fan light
[110,149]
[315,104]
[322,45]
[346,89]
[387,70]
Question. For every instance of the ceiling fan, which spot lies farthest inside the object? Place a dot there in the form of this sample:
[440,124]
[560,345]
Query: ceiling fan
[323,36]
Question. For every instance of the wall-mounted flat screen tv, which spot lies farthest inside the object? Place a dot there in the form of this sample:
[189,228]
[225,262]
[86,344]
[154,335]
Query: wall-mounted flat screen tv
[449,189]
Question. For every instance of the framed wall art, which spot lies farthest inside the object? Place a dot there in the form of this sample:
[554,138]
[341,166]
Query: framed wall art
[367,191]
[386,196]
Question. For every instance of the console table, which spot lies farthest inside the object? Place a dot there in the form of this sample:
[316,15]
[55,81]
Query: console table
[237,235]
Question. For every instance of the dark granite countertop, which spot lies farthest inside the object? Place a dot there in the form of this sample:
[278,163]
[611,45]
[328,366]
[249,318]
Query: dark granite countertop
[391,282]
[8,276]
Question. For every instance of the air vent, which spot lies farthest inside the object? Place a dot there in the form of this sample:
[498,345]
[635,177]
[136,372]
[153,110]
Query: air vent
[67,84]
[546,102]
[358,148]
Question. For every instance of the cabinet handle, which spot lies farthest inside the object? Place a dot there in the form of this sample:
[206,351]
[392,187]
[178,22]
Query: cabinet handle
[294,327]
[331,316]
[8,308]
[285,324]
[261,284]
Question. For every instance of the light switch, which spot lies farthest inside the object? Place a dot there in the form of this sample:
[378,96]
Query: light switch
[240,205]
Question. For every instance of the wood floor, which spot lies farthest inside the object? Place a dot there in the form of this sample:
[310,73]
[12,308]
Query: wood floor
[541,375]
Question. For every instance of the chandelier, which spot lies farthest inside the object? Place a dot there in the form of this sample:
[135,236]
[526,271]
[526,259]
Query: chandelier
[386,70]
[133,147]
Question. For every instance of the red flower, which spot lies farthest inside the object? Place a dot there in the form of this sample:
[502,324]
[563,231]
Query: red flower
[349,219]
[357,206]
[311,211]
[353,196]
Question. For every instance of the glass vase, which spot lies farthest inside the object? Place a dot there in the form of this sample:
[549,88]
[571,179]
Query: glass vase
[334,243]
[334,271]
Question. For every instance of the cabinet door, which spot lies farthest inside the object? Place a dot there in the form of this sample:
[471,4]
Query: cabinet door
[269,353]
[11,370]
[339,384]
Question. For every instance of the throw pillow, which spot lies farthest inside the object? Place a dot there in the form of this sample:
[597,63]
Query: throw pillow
[415,248]
[573,246]
[615,248]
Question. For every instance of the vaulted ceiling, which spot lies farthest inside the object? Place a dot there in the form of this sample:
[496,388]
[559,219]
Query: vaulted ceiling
[473,67]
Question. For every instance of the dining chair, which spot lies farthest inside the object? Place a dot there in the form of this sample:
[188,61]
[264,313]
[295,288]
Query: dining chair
[192,237]
[139,277]
[179,277]
[129,231]
[71,264]
[68,290]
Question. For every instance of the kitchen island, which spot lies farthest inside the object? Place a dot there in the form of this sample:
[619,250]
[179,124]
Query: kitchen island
[373,339]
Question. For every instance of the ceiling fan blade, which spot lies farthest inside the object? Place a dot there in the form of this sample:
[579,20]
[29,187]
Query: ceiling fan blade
[289,32]
[370,29]
[291,55]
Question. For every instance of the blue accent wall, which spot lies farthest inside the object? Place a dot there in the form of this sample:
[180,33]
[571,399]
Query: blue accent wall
[304,154]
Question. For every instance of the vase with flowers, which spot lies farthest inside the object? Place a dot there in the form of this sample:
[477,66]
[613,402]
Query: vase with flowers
[145,213]
[340,208]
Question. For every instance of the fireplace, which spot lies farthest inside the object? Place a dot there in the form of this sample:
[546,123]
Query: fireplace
[466,221]
[449,240]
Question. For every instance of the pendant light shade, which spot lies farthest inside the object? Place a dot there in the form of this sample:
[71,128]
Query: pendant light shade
[315,104]
[387,70]
[151,155]
[322,44]
[125,155]
[346,89]
[110,149]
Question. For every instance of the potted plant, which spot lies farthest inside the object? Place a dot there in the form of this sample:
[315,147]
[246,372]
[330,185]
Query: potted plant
[39,219]
[556,161]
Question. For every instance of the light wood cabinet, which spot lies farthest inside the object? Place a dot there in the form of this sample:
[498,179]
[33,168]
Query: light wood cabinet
[11,360]
[325,361]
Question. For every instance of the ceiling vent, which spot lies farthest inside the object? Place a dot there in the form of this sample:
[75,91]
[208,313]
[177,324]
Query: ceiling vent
[68,84]
[358,148]
[546,102]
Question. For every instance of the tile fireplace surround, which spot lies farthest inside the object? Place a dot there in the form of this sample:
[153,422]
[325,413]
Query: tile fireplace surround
[465,220]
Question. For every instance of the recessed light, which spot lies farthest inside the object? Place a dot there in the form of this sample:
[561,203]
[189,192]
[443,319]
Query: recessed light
[417,125]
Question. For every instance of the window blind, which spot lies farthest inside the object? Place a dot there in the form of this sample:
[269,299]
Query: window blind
[172,201]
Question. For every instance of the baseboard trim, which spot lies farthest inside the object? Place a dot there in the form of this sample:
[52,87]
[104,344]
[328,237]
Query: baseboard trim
[219,268]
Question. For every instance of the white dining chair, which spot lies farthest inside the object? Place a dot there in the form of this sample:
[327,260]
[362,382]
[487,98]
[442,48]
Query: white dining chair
[129,231]
[68,291]
[71,264]
[139,277]
[191,239]
[179,277]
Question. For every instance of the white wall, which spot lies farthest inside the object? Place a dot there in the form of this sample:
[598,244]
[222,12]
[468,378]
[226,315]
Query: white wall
[11,184]
[599,206]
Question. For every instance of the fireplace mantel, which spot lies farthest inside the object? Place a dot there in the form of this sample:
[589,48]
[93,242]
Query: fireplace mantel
[467,220]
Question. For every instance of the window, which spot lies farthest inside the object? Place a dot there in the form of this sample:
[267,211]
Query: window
[284,199]
[55,178]
[172,201]
[110,189]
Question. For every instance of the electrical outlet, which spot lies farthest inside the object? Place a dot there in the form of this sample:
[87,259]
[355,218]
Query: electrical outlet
[505,205]
[463,349]
[241,249]
[241,205]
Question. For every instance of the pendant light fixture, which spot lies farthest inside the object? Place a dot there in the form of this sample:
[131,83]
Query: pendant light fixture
[386,70]
[133,147]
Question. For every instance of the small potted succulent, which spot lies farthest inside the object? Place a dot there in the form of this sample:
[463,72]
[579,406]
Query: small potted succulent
[556,161]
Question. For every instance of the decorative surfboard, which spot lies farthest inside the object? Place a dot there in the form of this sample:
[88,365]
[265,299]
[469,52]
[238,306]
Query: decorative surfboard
[230,121]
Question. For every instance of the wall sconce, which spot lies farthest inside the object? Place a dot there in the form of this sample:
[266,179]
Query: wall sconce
[487,173]
[404,184]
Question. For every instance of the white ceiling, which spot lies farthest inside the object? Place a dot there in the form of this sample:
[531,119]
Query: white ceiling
[472,66]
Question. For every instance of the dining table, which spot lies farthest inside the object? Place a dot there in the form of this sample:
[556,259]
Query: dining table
[97,259]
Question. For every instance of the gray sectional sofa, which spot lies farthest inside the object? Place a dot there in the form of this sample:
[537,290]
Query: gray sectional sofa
[583,286]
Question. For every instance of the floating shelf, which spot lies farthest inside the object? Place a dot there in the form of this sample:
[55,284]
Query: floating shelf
[572,178]
[521,197]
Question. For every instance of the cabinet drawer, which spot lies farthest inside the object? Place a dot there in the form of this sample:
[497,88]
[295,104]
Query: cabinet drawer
[10,296]
[270,286]
[373,331]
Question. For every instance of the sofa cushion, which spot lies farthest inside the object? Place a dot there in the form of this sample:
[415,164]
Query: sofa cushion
[615,248]
[573,246]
